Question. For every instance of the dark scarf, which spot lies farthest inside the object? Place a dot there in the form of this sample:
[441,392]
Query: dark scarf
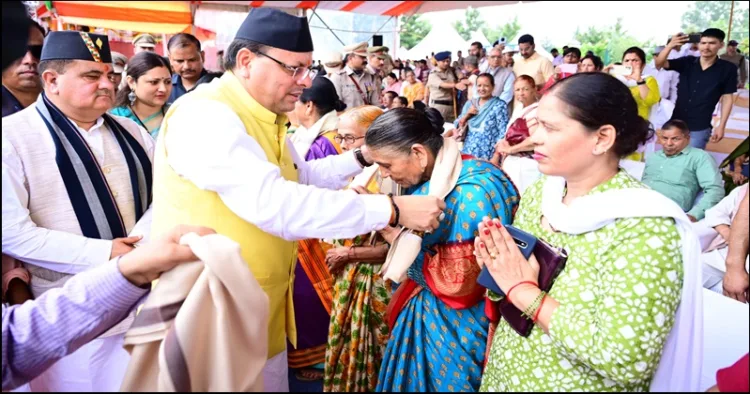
[89,193]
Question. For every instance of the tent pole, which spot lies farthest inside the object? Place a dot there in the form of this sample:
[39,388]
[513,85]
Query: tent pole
[416,10]
[327,27]
[731,14]
[397,37]
[164,43]
[381,28]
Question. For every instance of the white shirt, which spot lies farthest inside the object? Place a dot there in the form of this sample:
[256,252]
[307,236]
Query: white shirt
[215,153]
[484,64]
[724,211]
[667,80]
[686,51]
[54,250]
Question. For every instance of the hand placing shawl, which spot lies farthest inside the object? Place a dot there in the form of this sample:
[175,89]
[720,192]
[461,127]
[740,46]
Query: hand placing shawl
[203,328]
[407,245]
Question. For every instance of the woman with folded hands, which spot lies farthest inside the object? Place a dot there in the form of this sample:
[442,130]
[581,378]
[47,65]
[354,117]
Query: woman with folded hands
[604,324]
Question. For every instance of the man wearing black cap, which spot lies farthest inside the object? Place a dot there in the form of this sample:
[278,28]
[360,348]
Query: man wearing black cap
[736,58]
[442,84]
[75,181]
[223,161]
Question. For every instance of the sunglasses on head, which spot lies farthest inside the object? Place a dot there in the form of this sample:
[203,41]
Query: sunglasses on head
[36,51]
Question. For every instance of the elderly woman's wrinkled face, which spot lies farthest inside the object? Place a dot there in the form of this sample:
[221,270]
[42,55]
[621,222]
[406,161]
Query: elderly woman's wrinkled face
[524,92]
[406,169]
[350,134]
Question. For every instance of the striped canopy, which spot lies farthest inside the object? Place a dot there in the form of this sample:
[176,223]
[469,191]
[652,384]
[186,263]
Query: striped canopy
[388,8]
[171,17]
[167,17]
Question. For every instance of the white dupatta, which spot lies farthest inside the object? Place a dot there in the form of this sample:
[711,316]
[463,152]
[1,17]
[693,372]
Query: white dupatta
[303,138]
[680,366]
[408,244]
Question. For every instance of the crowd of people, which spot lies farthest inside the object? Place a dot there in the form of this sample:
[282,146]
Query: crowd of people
[367,196]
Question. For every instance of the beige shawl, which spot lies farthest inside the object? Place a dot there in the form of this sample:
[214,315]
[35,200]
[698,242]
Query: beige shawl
[203,328]
[408,243]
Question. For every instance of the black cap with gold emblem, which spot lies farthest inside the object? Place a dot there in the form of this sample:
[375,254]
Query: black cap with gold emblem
[76,45]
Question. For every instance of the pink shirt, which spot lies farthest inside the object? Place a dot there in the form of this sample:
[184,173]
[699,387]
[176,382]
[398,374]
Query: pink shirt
[396,87]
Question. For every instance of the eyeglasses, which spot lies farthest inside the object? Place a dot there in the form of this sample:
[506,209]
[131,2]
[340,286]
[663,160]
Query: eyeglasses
[36,51]
[349,139]
[298,73]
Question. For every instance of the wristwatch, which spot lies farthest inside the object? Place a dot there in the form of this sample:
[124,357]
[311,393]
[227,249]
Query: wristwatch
[361,158]
[641,82]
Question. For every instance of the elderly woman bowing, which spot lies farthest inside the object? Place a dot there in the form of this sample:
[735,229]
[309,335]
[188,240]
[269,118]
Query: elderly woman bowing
[438,331]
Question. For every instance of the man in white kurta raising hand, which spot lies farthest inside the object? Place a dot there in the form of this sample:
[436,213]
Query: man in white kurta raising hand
[75,182]
[223,160]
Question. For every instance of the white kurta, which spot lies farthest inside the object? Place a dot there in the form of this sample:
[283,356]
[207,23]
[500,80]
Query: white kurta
[234,165]
[40,229]
[39,224]
[668,81]
[715,247]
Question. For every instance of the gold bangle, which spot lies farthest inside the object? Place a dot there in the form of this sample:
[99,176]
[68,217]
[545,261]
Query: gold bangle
[531,310]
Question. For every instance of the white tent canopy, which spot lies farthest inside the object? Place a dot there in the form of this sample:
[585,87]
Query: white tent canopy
[438,40]
[478,36]
[403,53]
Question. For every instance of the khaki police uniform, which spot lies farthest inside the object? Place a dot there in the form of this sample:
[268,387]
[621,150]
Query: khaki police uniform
[378,77]
[440,98]
[356,90]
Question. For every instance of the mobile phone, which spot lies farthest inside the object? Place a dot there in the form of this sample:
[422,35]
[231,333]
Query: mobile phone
[569,68]
[621,70]
[694,38]
[525,242]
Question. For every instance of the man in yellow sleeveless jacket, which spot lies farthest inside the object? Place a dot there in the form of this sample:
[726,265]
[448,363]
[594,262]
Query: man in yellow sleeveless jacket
[223,161]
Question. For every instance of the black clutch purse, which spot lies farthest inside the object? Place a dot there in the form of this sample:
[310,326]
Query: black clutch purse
[551,263]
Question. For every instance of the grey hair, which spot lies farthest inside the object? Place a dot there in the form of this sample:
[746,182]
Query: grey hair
[230,56]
